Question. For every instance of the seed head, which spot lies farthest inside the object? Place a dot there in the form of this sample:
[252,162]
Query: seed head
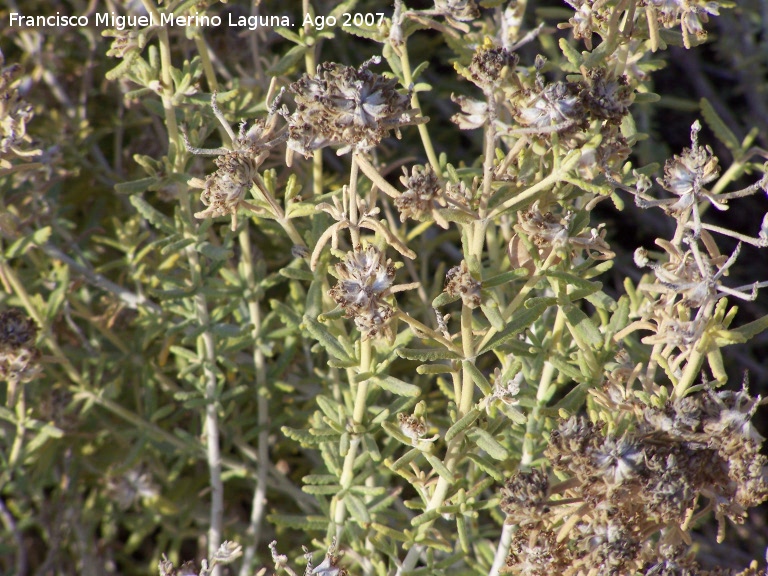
[225,189]
[365,277]
[459,282]
[347,107]
[422,196]
[488,66]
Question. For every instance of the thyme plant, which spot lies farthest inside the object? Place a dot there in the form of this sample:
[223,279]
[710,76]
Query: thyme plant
[333,289]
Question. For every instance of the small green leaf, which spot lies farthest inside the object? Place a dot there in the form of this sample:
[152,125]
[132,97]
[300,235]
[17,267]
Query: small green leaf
[462,424]
[38,238]
[478,377]
[439,467]
[322,490]
[319,479]
[719,127]
[443,299]
[287,62]
[397,386]
[521,320]
[215,253]
[158,220]
[504,278]
[487,443]
[491,312]
[487,466]
[582,326]
[331,344]
[297,273]
[300,210]
[425,354]
[330,408]
[289,35]
[572,55]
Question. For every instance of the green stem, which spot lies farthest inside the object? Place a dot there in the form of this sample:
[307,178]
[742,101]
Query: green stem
[358,414]
[405,63]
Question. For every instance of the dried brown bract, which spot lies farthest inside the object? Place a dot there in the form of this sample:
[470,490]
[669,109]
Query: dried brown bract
[365,280]
[347,107]
[422,197]
[224,191]
[18,355]
[459,282]
[489,66]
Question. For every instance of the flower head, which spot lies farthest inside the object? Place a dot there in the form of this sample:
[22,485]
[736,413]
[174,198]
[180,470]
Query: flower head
[365,277]
[347,107]
[459,282]
[422,195]
[18,355]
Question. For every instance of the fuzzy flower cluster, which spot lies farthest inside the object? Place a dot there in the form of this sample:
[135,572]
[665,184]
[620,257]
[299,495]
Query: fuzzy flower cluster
[225,189]
[688,276]
[459,282]
[422,197]
[347,107]
[629,498]
[527,106]
[19,358]
[15,113]
[548,232]
[594,17]
[365,278]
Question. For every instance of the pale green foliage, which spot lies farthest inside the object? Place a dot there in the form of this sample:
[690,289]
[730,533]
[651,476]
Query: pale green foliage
[322,352]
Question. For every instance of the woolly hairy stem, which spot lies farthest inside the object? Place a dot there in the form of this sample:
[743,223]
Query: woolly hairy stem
[358,414]
[489,154]
[310,64]
[258,506]
[423,132]
[167,79]
[502,550]
[206,349]
[453,451]
[354,230]
[534,418]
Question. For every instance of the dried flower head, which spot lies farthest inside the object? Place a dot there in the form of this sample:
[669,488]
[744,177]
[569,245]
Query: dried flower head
[459,282]
[605,96]
[489,65]
[549,232]
[691,15]
[413,427]
[224,191]
[525,497]
[365,278]
[588,19]
[422,196]
[126,42]
[537,553]
[460,10]
[554,108]
[328,567]
[347,107]
[474,113]
[131,487]
[15,113]
[19,358]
